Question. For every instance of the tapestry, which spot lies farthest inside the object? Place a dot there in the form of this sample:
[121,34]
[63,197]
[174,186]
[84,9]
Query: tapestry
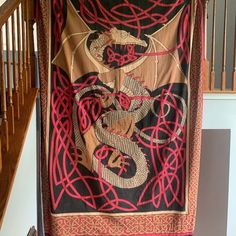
[121,99]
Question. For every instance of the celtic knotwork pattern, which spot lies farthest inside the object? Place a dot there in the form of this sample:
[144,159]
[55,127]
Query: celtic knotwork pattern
[116,145]
[128,13]
[164,142]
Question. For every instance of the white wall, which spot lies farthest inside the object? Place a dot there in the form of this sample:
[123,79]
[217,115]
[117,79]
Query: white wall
[21,209]
[220,113]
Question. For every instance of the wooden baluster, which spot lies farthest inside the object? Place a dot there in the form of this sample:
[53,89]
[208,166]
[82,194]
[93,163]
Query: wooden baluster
[234,70]
[25,69]
[223,73]
[206,81]
[213,76]
[4,125]
[9,84]
[30,39]
[0,156]
[15,75]
[26,11]
[20,69]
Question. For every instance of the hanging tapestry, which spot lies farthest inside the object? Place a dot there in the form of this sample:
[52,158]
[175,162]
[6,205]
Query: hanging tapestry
[121,108]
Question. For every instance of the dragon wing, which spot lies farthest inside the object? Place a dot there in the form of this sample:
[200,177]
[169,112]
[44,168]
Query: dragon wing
[166,68]
[74,57]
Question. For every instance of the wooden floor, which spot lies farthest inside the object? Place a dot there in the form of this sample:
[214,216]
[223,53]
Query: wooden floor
[11,159]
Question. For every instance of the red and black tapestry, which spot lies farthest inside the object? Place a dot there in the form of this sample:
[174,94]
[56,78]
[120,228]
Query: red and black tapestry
[122,117]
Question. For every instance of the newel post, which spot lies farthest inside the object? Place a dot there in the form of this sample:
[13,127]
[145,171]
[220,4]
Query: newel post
[29,9]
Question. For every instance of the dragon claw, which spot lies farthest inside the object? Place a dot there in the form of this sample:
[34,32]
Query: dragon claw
[118,161]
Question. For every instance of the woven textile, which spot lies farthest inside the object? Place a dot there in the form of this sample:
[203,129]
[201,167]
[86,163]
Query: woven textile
[121,105]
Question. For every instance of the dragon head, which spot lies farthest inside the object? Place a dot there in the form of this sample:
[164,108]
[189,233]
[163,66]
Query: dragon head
[123,38]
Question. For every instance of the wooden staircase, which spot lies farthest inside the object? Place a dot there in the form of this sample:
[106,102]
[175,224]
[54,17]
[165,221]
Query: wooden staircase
[17,87]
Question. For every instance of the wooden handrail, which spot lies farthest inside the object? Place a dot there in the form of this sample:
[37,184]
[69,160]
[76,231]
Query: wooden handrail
[17,88]
[7,9]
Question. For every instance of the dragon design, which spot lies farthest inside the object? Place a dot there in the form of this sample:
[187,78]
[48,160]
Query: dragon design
[104,130]
[113,37]
[119,142]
